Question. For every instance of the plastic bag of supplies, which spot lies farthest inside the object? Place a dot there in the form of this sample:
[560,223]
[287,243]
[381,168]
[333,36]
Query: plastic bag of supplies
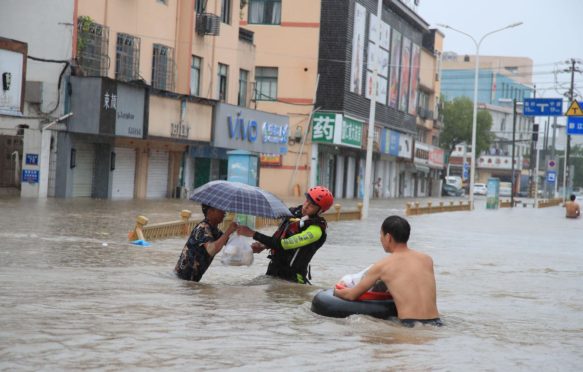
[351,280]
[237,252]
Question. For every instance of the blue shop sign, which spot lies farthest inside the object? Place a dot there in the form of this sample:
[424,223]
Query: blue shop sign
[32,159]
[30,175]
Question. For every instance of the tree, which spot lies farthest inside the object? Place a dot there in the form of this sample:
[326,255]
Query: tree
[457,125]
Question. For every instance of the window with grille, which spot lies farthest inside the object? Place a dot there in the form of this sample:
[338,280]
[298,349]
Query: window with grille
[223,78]
[243,82]
[127,57]
[195,76]
[226,11]
[163,67]
[92,47]
[267,12]
[266,83]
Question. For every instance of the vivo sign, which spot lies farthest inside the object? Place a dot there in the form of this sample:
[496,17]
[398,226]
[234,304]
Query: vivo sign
[251,130]
[241,131]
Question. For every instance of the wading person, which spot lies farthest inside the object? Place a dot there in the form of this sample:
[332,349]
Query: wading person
[297,238]
[204,242]
[572,208]
[408,274]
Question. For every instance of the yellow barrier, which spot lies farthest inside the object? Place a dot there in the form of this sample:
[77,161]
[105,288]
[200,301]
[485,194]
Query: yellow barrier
[182,228]
[549,202]
[413,209]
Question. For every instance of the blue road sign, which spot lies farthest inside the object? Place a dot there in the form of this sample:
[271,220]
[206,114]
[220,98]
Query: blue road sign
[543,107]
[466,174]
[551,176]
[32,159]
[30,175]
[575,125]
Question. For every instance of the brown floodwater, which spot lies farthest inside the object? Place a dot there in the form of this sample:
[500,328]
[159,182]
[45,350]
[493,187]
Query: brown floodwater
[74,294]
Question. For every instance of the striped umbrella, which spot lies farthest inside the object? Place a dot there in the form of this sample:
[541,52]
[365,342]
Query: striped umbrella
[240,198]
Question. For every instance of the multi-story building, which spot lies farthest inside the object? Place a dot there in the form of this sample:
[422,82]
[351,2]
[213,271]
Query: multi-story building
[159,91]
[314,63]
[501,81]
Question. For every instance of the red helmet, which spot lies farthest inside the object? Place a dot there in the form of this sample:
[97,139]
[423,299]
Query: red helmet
[321,196]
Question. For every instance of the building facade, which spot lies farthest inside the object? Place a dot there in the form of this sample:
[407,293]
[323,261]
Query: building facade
[315,61]
[156,93]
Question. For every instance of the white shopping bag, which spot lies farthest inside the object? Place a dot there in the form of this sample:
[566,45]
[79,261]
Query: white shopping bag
[237,252]
[351,280]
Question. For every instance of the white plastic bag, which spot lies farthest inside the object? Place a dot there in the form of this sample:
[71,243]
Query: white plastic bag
[237,252]
[351,280]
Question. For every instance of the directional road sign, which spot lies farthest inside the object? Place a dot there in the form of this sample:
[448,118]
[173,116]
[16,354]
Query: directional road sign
[575,125]
[543,107]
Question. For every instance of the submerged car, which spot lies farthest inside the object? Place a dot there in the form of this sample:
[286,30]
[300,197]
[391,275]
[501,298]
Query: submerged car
[451,190]
[480,189]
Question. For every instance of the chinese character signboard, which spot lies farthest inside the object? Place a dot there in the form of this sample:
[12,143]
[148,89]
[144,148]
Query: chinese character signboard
[30,175]
[336,129]
[31,159]
[323,125]
[351,132]
[543,107]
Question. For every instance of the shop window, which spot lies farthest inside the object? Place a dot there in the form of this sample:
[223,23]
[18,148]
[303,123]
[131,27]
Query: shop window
[243,83]
[267,12]
[127,57]
[92,47]
[195,76]
[226,11]
[163,67]
[266,83]
[223,78]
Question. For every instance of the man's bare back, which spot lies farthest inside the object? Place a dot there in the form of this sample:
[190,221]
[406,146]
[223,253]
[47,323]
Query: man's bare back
[572,209]
[410,278]
[408,274]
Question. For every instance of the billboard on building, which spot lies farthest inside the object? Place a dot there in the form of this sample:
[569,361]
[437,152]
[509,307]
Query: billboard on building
[415,61]
[12,76]
[405,72]
[358,43]
[336,129]
[395,62]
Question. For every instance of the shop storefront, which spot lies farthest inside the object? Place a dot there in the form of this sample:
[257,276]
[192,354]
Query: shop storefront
[89,161]
[176,125]
[337,155]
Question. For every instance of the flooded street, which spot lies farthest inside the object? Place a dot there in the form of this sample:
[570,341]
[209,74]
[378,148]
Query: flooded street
[75,295]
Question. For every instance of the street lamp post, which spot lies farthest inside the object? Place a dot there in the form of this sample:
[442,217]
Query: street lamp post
[475,113]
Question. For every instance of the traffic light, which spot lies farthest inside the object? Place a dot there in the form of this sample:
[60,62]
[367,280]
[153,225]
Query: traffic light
[535,132]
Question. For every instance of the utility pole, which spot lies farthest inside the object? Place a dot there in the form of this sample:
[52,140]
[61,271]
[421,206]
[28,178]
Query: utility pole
[572,70]
[532,155]
[513,145]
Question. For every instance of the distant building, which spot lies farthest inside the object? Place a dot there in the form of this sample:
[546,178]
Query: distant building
[501,80]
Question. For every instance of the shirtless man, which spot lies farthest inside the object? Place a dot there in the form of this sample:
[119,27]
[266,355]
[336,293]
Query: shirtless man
[572,208]
[407,273]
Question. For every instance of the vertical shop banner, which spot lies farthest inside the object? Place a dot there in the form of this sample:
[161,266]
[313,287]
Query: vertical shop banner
[415,61]
[323,127]
[358,43]
[395,62]
[351,132]
[405,72]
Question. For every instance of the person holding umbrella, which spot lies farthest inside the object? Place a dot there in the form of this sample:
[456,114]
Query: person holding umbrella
[297,238]
[204,242]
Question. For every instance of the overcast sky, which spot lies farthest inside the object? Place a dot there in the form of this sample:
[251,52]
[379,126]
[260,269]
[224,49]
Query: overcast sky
[551,33]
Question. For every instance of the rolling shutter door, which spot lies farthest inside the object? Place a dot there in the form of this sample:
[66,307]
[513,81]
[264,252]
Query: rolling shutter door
[123,177]
[83,171]
[157,174]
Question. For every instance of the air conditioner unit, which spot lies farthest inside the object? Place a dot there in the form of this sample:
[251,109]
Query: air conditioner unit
[208,24]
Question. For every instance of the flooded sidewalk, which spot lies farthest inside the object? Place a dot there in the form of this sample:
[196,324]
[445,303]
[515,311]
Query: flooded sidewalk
[74,294]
